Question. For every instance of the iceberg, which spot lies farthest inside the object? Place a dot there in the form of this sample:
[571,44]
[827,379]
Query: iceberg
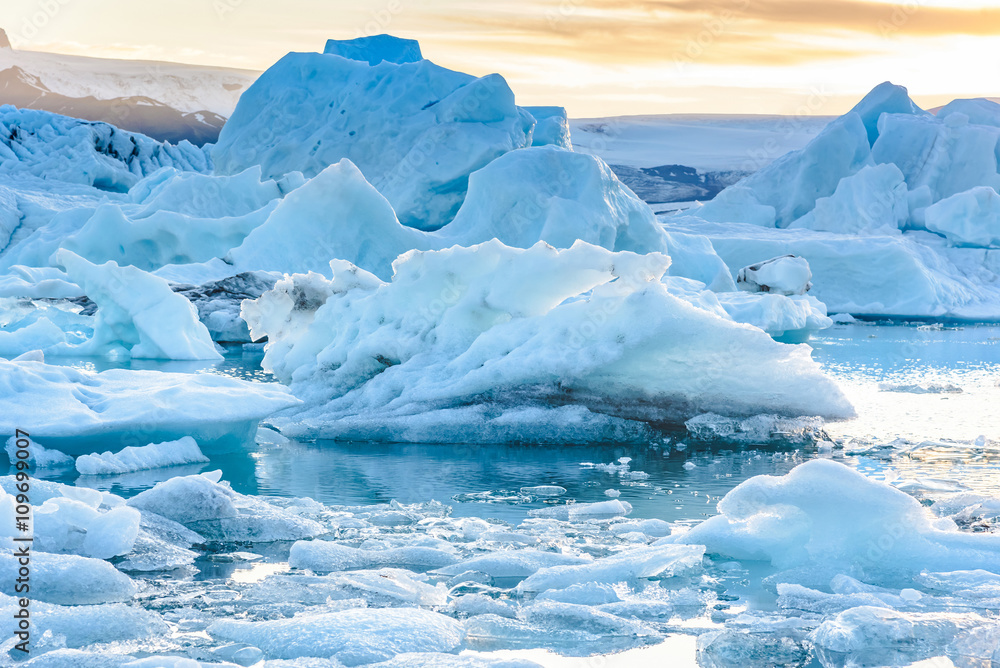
[787,275]
[79,412]
[321,556]
[792,184]
[516,328]
[137,314]
[66,579]
[353,637]
[96,154]
[376,48]
[523,197]
[154,455]
[414,129]
[873,533]
[215,511]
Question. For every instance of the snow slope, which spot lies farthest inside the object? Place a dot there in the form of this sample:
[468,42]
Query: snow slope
[187,88]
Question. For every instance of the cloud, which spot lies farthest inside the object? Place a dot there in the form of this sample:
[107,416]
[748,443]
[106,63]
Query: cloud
[745,32]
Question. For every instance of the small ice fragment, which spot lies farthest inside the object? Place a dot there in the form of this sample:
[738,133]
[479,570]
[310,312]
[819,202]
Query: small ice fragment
[910,595]
[613,493]
[689,465]
[267,436]
[824,446]
[681,446]
[544,490]
[40,456]
[624,460]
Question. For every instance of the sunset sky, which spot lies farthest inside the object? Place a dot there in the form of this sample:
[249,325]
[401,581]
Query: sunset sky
[595,57]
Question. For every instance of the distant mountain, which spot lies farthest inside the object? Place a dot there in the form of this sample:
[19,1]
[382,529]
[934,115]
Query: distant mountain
[166,101]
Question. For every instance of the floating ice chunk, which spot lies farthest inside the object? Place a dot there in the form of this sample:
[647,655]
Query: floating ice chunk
[66,525]
[551,127]
[216,512]
[40,457]
[558,615]
[878,629]
[732,647]
[612,493]
[432,660]
[97,154]
[575,512]
[137,312]
[154,455]
[267,436]
[785,275]
[886,98]
[544,490]
[415,130]
[873,201]
[68,579]
[689,466]
[652,527]
[661,561]
[489,320]
[920,388]
[353,637]
[512,563]
[588,593]
[970,218]
[83,625]
[756,429]
[323,556]
[873,531]
[374,49]
[788,319]
[187,499]
[471,605]
[386,587]
[80,412]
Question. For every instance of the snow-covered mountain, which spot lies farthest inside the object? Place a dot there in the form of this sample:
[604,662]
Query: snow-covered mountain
[167,101]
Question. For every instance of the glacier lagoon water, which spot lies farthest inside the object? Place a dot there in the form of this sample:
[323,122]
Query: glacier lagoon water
[924,393]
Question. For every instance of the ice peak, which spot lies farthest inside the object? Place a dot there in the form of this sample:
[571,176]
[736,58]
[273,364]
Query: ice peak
[376,48]
[885,98]
[4,42]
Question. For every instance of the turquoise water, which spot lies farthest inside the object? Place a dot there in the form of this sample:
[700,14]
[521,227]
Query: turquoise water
[872,363]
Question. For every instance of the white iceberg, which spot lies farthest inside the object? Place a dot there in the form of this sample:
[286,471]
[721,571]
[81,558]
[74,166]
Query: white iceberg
[138,315]
[491,324]
[67,579]
[79,412]
[322,556]
[873,531]
[215,511]
[353,637]
[91,153]
[786,275]
[416,130]
[154,455]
